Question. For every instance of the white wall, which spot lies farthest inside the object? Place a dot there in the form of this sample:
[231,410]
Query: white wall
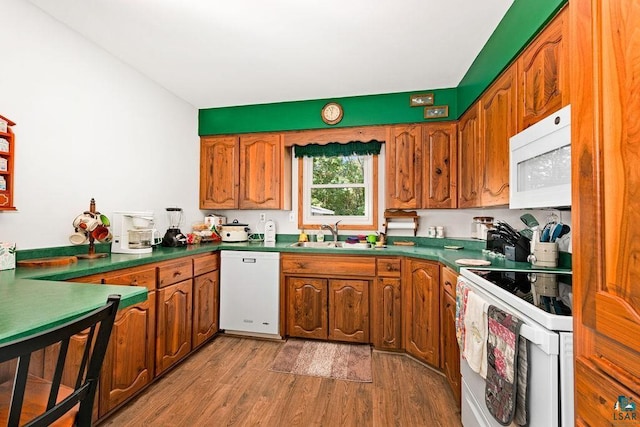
[87,126]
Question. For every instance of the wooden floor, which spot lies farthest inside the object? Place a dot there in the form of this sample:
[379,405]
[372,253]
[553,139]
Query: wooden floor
[228,383]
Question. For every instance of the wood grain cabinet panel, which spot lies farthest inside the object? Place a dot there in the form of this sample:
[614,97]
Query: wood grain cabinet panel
[219,172]
[206,307]
[543,70]
[469,142]
[440,166]
[450,352]
[174,322]
[307,307]
[260,166]
[498,124]
[403,167]
[604,80]
[129,362]
[386,316]
[349,310]
[421,301]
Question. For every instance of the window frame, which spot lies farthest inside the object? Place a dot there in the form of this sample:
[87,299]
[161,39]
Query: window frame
[305,220]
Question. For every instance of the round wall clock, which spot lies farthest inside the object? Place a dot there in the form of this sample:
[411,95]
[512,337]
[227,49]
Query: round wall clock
[332,113]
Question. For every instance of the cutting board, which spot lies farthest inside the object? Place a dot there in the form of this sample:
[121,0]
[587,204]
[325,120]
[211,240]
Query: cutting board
[48,262]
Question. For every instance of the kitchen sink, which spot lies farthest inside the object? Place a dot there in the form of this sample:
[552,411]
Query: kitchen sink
[330,245]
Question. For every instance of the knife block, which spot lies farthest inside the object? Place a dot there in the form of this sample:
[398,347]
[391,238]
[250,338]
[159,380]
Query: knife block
[515,253]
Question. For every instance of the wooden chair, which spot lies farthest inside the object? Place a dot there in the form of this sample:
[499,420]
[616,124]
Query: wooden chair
[46,402]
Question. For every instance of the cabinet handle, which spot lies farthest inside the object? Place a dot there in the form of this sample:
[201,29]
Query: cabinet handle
[177,273]
[448,283]
[439,171]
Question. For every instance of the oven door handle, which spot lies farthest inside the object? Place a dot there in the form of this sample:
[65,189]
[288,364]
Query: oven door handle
[548,341]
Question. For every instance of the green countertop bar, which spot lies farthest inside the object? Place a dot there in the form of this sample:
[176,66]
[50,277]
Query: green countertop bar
[34,299]
[31,306]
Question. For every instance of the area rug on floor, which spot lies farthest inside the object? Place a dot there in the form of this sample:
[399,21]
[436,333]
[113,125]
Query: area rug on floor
[351,362]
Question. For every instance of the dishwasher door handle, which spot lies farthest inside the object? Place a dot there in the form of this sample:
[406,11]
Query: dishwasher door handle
[249,260]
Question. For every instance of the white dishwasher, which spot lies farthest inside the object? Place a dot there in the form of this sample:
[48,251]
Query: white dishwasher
[250,293]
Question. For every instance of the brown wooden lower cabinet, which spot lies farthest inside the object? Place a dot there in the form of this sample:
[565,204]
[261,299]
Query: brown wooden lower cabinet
[386,315]
[349,310]
[129,362]
[307,307]
[421,303]
[173,328]
[336,309]
[206,304]
[449,345]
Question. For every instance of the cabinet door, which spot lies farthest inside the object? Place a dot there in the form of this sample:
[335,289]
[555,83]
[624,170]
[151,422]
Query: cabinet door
[206,291]
[129,362]
[219,172]
[421,313]
[605,108]
[449,343]
[349,310]
[498,124]
[307,307]
[440,159]
[173,330]
[543,71]
[469,158]
[386,326]
[260,171]
[403,165]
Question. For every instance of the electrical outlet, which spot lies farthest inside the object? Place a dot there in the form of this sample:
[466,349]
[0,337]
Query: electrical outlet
[292,216]
[263,217]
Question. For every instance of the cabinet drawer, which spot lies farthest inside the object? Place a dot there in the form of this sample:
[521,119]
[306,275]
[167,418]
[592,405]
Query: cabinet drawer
[449,278]
[205,264]
[174,272]
[388,267]
[145,276]
[329,265]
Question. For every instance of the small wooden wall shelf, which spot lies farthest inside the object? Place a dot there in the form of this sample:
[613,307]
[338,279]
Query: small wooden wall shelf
[7,160]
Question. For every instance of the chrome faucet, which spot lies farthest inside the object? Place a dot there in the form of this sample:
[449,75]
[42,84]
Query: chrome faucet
[333,229]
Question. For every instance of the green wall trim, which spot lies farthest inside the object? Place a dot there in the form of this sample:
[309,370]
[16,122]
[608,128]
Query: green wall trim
[299,115]
[523,20]
[521,23]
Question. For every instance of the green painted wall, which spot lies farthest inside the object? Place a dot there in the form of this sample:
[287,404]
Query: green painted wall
[520,24]
[358,111]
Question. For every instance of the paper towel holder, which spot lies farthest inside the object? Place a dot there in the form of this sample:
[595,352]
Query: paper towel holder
[399,214]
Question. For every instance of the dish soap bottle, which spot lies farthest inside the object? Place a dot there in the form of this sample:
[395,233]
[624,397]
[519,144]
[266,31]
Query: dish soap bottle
[303,237]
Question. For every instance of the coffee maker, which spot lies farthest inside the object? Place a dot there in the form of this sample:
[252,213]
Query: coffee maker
[133,233]
[174,237]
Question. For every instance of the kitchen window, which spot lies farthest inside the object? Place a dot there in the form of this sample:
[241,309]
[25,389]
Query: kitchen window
[340,187]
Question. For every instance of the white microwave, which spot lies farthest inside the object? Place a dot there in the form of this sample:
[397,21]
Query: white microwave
[540,163]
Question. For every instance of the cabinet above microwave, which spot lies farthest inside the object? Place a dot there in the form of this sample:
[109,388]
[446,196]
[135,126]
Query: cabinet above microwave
[540,163]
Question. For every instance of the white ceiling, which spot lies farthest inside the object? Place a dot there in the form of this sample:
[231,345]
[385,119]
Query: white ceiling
[215,53]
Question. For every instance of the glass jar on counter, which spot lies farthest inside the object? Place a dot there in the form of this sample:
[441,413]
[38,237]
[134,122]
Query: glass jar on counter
[480,225]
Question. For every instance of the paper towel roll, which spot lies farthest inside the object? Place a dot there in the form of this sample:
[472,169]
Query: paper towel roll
[401,226]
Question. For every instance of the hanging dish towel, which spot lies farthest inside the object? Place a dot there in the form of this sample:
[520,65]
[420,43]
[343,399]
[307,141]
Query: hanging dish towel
[475,338]
[462,292]
[502,360]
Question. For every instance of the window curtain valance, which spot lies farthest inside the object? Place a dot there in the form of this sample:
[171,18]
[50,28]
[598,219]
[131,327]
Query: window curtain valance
[333,149]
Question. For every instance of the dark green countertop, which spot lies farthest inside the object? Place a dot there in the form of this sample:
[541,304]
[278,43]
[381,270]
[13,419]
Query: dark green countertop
[33,299]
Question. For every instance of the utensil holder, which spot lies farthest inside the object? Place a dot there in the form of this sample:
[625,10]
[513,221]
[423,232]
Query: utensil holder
[545,254]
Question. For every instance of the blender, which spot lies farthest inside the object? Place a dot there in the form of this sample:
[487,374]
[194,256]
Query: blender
[174,237]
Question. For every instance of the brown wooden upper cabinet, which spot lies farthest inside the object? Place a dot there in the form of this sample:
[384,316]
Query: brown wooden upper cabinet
[440,165]
[421,166]
[469,158]
[497,125]
[219,172]
[543,69]
[403,167]
[244,172]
